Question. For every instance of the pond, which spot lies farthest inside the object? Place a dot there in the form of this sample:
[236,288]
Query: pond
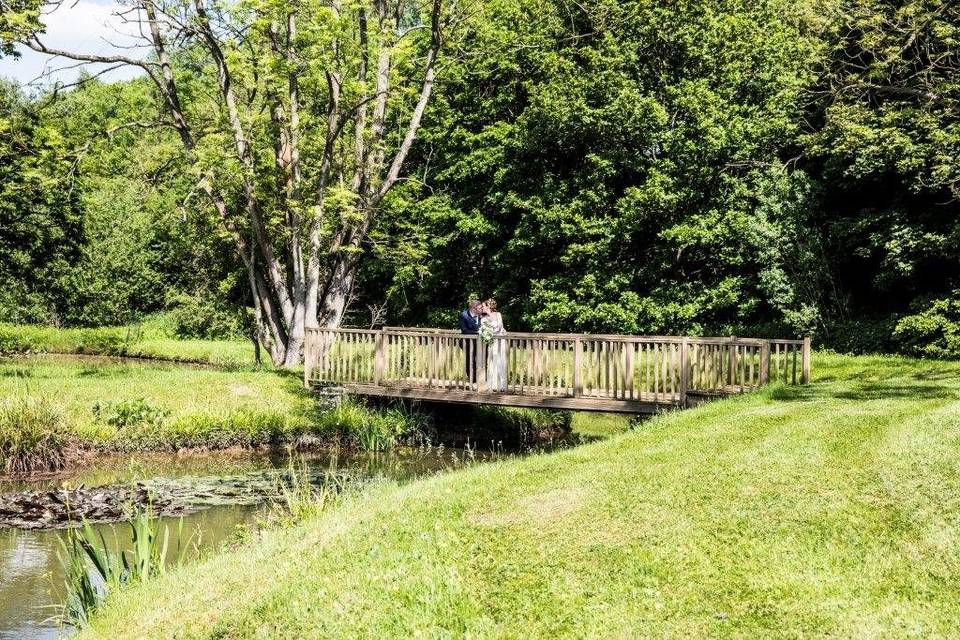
[31,580]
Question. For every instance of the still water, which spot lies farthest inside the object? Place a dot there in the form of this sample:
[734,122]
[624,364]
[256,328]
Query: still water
[31,580]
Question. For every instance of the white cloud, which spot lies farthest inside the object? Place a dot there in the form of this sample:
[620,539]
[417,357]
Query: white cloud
[87,26]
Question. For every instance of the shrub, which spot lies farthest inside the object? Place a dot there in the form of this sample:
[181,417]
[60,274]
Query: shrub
[18,339]
[202,316]
[113,341]
[108,341]
[129,413]
[33,436]
[934,331]
[862,336]
[241,428]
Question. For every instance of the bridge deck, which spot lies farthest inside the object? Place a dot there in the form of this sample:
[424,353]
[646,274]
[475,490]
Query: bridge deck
[644,403]
[629,374]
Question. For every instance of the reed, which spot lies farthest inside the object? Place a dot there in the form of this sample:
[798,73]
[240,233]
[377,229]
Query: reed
[93,567]
[375,429]
[33,436]
[304,493]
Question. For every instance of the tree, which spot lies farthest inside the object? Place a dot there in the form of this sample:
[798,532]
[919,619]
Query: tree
[617,167]
[40,215]
[884,142]
[296,119]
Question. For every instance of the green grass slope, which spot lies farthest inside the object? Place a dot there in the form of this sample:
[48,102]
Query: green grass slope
[828,510]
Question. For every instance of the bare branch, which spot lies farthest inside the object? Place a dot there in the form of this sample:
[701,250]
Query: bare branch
[39,47]
[426,89]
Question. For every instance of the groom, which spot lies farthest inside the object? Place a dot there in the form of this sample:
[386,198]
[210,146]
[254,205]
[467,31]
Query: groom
[470,326]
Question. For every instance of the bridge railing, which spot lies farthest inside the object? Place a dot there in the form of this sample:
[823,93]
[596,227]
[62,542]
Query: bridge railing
[660,369]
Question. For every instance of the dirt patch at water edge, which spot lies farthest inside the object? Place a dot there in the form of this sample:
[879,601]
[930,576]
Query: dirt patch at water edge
[540,508]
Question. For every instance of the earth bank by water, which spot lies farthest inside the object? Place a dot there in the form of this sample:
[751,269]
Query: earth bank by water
[220,495]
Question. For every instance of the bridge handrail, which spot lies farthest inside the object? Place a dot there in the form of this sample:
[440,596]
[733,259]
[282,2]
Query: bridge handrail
[430,331]
[573,365]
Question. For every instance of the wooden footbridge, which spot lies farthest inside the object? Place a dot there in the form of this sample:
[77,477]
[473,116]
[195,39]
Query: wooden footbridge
[628,374]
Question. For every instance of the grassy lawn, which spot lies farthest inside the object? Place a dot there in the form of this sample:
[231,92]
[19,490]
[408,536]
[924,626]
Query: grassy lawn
[139,341]
[137,405]
[123,405]
[831,510]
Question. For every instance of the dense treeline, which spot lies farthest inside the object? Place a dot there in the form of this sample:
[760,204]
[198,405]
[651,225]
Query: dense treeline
[699,166]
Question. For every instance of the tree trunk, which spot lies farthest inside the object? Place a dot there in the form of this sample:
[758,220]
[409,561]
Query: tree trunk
[336,296]
[310,282]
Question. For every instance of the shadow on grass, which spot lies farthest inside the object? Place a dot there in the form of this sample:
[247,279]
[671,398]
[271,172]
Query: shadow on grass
[868,390]
[892,390]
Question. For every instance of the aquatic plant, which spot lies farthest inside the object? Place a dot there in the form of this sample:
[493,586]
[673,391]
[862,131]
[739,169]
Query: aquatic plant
[93,568]
[33,436]
[304,493]
[371,429]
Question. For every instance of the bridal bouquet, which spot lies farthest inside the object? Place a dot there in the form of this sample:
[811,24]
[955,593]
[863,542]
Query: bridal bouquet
[486,332]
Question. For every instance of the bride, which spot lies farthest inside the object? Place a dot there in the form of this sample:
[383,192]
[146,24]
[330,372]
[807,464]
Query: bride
[492,321]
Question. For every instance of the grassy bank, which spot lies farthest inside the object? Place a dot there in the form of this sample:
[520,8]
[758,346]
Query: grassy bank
[52,405]
[832,510]
[138,341]
[102,405]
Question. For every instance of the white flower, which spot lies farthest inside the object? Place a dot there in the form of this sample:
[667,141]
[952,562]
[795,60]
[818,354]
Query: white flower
[486,332]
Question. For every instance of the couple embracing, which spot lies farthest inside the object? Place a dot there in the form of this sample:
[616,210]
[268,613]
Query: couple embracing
[483,319]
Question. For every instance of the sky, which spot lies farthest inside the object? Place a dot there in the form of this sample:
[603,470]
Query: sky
[77,25]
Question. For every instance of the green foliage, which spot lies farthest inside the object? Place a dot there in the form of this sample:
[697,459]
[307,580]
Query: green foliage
[863,335]
[97,231]
[934,330]
[127,413]
[19,18]
[884,142]
[93,568]
[625,177]
[373,429]
[895,93]
[101,341]
[203,316]
[606,165]
[142,341]
[303,494]
[40,214]
[33,436]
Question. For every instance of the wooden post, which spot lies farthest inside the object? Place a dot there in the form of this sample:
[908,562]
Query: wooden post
[577,366]
[627,347]
[805,370]
[379,358]
[308,347]
[732,361]
[765,362]
[480,373]
[537,364]
[684,371]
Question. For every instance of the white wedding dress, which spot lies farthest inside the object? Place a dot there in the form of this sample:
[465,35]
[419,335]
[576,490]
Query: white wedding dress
[496,354]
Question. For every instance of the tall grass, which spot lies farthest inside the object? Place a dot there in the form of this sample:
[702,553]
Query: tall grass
[302,494]
[93,568]
[374,429]
[33,436]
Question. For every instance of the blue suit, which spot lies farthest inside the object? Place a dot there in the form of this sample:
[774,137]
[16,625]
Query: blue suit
[469,325]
